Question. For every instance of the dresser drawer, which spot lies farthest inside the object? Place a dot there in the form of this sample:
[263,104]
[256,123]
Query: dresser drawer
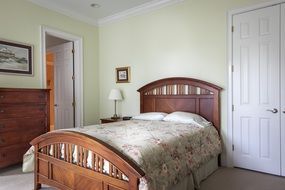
[21,136]
[24,115]
[12,154]
[22,96]
[22,123]
[20,111]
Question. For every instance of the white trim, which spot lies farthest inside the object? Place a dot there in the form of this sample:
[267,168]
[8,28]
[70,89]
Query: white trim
[229,152]
[78,64]
[144,8]
[254,7]
[53,7]
[282,87]
[231,13]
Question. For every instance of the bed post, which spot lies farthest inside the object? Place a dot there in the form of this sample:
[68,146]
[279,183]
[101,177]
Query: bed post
[37,185]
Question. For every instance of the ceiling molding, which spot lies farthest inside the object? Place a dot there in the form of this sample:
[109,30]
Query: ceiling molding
[141,9]
[65,12]
[144,8]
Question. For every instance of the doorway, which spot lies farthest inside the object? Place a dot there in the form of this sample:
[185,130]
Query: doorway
[62,73]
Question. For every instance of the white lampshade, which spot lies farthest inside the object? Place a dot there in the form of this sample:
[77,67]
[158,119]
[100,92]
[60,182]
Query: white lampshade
[115,94]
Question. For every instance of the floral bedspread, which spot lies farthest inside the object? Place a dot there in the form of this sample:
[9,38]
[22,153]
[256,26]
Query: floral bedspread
[166,151]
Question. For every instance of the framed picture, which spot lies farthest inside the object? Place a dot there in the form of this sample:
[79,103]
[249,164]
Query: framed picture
[123,74]
[16,58]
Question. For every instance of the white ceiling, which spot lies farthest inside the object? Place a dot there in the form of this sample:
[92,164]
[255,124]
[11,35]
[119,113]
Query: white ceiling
[108,10]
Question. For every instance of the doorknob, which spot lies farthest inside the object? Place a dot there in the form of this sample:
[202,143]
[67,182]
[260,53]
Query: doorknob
[55,105]
[273,110]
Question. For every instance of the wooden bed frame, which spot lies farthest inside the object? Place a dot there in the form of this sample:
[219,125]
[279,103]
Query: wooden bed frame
[166,95]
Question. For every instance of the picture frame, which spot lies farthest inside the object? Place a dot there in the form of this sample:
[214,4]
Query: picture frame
[123,74]
[16,58]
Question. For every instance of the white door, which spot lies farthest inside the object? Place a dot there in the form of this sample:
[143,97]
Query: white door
[283,87]
[63,85]
[256,90]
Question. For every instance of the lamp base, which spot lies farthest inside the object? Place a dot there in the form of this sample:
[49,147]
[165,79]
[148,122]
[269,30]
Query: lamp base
[115,116]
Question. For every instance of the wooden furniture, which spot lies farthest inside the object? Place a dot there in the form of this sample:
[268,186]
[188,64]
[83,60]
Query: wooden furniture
[23,116]
[182,94]
[171,94]
[110,120]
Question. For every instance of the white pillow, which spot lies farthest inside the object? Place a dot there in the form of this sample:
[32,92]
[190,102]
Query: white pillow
[187,117]
[152,116]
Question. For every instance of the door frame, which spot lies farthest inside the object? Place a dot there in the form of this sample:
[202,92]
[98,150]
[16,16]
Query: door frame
[78,66]
[230,14]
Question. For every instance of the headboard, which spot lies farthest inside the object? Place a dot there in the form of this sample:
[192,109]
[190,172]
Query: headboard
[182,94]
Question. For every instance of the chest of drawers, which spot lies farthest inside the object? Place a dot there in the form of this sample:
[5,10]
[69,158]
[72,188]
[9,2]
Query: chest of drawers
[24,115]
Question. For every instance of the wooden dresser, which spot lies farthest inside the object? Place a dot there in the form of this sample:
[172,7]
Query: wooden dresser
[24,115]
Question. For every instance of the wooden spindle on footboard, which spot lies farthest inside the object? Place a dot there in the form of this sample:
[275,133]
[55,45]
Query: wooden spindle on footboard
[85,157]
[97,163]
[93,161]
[101,164]
[70,148]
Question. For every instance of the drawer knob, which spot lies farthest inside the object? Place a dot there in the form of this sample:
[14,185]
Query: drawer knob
[2,96]
[2,141]
[1,111]
[2,126]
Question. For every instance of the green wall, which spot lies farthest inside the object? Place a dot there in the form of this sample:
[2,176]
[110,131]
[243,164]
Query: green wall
[21,20]
[188,39]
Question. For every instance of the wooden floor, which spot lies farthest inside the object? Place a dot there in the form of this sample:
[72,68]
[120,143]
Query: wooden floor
[223,179]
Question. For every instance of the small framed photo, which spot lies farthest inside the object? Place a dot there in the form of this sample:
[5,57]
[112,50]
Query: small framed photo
[123,74]
[16,58]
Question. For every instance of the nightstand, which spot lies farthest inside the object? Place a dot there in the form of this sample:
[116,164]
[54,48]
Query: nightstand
[110,120]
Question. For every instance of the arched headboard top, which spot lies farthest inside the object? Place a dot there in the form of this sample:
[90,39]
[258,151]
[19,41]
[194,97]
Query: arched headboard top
[174,81]
[182,94]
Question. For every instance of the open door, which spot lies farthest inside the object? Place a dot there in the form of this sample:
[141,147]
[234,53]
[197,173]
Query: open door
[63,70]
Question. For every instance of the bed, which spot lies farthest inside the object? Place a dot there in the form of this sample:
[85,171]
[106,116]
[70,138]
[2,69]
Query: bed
[55,166]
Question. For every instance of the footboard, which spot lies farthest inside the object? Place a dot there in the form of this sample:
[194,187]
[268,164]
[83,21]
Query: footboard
[71,160]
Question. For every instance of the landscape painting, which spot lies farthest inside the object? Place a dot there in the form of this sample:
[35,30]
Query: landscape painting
[15,58]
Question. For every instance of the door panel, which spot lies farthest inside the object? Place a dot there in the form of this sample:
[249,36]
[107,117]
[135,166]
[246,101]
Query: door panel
[63,84]
[256,90]
[283,88]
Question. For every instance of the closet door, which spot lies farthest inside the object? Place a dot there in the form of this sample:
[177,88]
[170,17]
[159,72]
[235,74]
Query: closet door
[256,90]
[283,87]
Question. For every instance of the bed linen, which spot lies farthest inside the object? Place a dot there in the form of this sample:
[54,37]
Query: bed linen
[166,151]
[171,154]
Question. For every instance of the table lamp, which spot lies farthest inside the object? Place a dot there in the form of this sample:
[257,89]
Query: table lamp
[115,95]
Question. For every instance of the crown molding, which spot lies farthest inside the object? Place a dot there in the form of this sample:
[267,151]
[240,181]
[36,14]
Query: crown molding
[141,9]
[65,12]
[144,8]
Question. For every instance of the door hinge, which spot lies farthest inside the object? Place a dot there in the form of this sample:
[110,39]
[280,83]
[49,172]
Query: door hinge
[72,50]
[73,77]
[233,108]
[73,104]
[232,68]
[233,28]
[233,147]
